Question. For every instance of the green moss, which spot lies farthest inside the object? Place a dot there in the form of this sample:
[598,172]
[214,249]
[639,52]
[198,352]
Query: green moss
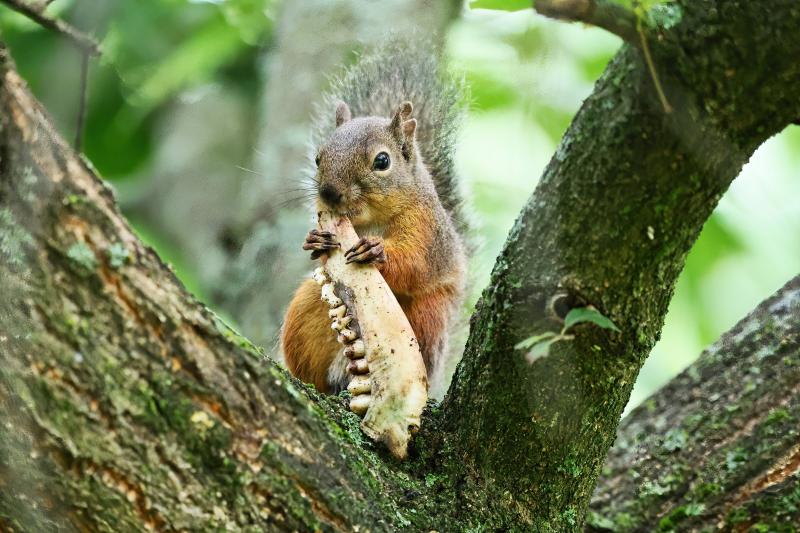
[118,255]
[233,336]
[679,514]
[777,416]
[675,439]
[83,257]
[14,239]
[706,490]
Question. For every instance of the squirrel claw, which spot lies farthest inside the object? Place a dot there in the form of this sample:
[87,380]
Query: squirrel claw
[319,242]
[366,251]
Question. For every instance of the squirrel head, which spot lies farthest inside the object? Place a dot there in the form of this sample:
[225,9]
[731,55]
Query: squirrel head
[367,164]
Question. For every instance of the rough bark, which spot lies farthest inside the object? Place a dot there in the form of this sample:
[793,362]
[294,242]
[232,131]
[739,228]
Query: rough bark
[718,446]
[610,224]
[124,402]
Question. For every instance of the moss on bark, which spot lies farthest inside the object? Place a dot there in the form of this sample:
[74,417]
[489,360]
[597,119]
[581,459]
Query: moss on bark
[126,403]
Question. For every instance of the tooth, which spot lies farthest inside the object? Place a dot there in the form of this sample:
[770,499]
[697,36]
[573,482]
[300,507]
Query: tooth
[360,385]
[359,404]
[358,348]
[320,276]
[340,323]
[337,312]
[358,366]
[329,296]
[347,335]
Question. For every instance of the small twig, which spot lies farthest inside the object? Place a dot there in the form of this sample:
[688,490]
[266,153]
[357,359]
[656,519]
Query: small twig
[83,103]
[601,13]
[653,74]
[36,13]
[611,17]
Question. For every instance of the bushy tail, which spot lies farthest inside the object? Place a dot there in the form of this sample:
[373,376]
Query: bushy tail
[406,68]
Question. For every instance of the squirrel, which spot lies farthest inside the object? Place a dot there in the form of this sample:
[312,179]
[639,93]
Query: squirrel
[392,175]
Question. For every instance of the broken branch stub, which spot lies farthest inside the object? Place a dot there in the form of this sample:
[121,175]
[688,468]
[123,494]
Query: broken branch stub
[396,373]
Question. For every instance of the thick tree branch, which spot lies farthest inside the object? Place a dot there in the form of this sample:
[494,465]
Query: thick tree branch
[604,14]
[717,448]
[36,13]
[125,404]
[611,222]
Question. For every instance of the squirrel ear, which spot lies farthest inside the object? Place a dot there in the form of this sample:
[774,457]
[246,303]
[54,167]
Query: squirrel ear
[404,128]
[342,113]
[409,127]
[407,145]
[402,113]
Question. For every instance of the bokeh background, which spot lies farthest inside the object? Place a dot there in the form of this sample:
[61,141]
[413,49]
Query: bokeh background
[198,117]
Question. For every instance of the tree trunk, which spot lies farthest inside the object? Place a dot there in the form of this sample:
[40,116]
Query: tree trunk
[718,444]
[610,224]
[126,403]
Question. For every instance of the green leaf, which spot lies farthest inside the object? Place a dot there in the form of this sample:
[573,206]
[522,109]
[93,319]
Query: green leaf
[501,5]
[588,314]
[535,339]
[541,349]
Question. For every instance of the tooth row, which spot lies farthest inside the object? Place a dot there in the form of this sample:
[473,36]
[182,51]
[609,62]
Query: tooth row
[360,385]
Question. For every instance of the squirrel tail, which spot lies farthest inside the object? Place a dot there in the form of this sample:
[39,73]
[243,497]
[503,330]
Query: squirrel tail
[402,68]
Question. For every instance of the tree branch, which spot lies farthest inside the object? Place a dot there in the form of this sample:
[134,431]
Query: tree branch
[610,223]
[124,403]
[36,13]
[717,447]
[604,14]
[83,106]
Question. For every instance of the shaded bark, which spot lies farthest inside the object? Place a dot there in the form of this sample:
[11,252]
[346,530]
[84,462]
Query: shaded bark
[610,224]
[718,446]
[124,402]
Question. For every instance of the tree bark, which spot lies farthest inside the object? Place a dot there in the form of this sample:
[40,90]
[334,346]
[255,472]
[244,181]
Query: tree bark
[125,402]
[610,224]
[718,446]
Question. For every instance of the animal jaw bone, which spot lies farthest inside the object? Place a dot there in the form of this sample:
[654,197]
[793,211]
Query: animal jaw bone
[389,384]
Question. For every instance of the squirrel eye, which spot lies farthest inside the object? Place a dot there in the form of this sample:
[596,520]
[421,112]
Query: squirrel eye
[316,160]
[381,161]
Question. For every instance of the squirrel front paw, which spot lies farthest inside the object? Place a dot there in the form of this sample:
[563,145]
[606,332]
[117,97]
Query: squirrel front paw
[319,242]
[366,250]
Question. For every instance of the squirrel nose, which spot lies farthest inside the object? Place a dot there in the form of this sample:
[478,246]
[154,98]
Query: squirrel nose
[330,194]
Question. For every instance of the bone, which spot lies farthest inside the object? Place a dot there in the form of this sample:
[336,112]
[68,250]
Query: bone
[337,312]
[320,276]
[396,370]
[358,366]
[346,336]
[359,404]
[329,296]
[340,323]
[355,350]
[359,385]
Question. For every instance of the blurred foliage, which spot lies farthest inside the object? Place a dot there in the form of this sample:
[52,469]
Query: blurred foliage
[528,77]
[151,52]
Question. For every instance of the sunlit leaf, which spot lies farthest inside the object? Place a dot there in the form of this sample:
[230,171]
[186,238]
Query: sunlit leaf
[588,314]
[530,341]
[541,349]
[501,5]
